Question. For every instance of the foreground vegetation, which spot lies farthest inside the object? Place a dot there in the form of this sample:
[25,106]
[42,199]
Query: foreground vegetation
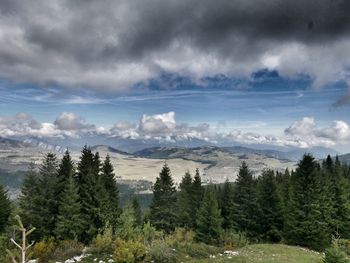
[75,210]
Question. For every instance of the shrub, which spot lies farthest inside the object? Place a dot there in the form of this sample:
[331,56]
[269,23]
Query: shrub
[129,251]
[161,252]
[43,250]
[334,254]
[150,234]
[48,251]
[180,246]
[232,240]
[103,243]
[199,250]
[67,249]
[180,236]
[345,245]
[3,247]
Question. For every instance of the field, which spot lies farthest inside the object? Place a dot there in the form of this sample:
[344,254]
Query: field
[260,253]
[214,165]
[267,253]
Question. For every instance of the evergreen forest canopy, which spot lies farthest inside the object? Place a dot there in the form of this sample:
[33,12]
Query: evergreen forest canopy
[67,201]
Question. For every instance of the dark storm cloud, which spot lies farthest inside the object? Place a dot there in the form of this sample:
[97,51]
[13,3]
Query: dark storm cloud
[116,43]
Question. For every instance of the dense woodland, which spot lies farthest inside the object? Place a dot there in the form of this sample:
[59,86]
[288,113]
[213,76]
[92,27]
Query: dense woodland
[67,201]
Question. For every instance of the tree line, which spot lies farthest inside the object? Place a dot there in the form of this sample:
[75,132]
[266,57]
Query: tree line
[303,207]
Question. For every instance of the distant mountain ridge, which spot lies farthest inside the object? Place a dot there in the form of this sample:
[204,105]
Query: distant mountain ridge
[181,152]
[153,149]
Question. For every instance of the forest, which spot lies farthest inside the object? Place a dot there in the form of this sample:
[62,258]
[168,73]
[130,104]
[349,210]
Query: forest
[75,208]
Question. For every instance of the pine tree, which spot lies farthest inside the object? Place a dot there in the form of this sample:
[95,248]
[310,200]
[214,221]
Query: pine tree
[29,199]
[184,202]
[66,170]
[126,223]
[137,211]
[89,189]
[228,206]
[305,224]
[271,219]
[162,208]
[246,203]
[111,206]
[69,224]
[208,227]
[5,208]
[340,213]
[47,208]
[196,195]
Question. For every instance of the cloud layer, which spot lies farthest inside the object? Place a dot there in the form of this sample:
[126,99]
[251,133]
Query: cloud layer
[114,44]
[304,133]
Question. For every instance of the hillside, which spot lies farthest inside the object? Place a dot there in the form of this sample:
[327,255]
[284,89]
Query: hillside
[259,253]
[267,253]
[221,163]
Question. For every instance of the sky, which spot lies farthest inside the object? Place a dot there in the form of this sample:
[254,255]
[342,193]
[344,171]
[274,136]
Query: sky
[227,72]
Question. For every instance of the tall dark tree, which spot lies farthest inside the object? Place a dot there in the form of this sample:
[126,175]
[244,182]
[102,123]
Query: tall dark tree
[184,202]
[48,201]
[5,208]
[228,205]
[137,211]
[305,224]
[208,227]
[69,224]
[88,188]
[29,200]
[246,203]
[111,207]
[196,195]
[271,219]
[162,208]
[339,186]
[66,170]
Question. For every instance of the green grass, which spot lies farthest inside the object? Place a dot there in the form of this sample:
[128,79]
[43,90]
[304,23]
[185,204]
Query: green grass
[268,253]
[260,253]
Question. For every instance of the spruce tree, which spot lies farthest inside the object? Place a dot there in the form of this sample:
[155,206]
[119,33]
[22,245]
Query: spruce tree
[69,224]
[29,200]
[5,208]
[66,170]
[47,208]
[196,195]
[271,219]
[305,224]
[89,188]
[208,226]
[340,214]
[111,207]
[126,223]
[162,208]
[184,202]
[246,207]
[228,206]
[137,211]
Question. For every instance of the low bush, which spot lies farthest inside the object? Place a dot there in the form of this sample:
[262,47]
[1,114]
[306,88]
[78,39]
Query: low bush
[161,252]
[3,247]
[180,236]
[233,240]
[150,234]
[43,250]
[50,251]
[67,249]
[345,245]
[334,254]
[103,243]
[129,251]
[199,250]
